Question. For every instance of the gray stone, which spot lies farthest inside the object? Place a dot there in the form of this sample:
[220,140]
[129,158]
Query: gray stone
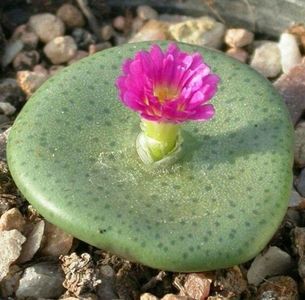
[42,280]
[12,48]
[146,12]
[71,16]
[290,52]
[238,37]
[47,26]
[33,242]
[10,248]
[61,49]
[10,91]
[7,109]
[203,31]
[295,199]
[83,38]
[10,282]
[3,141]
[273,262]
[300,183]
[267,60]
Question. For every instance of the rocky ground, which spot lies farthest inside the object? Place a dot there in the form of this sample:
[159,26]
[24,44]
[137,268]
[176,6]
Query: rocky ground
[38,260]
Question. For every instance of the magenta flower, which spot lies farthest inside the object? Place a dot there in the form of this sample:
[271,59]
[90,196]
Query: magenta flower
[170,87]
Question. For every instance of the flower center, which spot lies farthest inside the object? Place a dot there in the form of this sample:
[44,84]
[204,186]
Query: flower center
[164,93]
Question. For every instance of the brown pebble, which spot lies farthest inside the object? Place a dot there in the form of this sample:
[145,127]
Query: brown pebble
[107,32]
[239,54]
[56,241]
[26,60]
[12,219]
[291,86]
[119,23]
[29,81]
[71,16]
[99,47]
[197,286]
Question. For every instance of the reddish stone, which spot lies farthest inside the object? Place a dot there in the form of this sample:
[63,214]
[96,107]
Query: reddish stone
[292,87]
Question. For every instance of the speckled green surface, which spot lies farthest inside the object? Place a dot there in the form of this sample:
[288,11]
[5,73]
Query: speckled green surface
[72,154]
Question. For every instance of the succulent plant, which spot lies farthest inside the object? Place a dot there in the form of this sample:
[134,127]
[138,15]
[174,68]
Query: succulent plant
[72,154]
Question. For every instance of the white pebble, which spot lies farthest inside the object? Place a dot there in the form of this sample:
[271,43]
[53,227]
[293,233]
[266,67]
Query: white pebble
[290,52]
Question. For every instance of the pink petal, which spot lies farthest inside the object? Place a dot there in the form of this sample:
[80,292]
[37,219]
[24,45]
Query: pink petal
[203,113]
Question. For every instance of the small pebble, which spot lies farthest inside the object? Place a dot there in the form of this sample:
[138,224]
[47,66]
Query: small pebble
[11,49]
[148,296]
[10,248]
[5,202]
[298,239]
[29,81]
[238,37]
[12,219]
[78,56]
[107,32]
[10,282]
[137,24]
[272,262]
[238,53]
[26,36]
[57,242]
[299,145]
[33,242]
[295,199]
[47,26]
[61,49]
[99,47]
[280,287]
[10,91]
[119,23]
[267,60]
[197,286]
[42,280]
[145,12]
[290,52]
[106,290]
[299,31]
[55,69]
[175,297]
[26,60]
[300,183]
[292,88]
[204,31]
[151,31]
[83,38]
[71,16]
[7,109]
